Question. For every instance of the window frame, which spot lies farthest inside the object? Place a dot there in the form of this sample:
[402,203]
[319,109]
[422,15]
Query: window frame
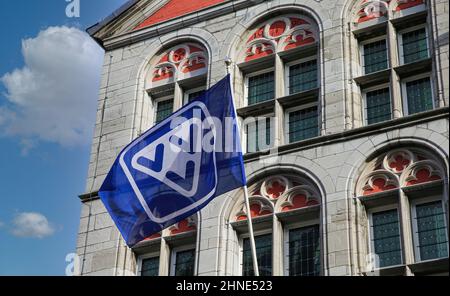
[364,102]
[287,69]
[287,113]
[173,257]
[241,246]
[361,53]
[156,103]
[190,91]
[141,258]
[414,226]
[405,92]
[408,30]
[297,225]
[253,74]
[371,246]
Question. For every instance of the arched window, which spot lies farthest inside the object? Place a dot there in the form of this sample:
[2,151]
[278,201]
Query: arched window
[280,69]
[391,43]
[177,75]
[286,218]
[405,201]
[172,252]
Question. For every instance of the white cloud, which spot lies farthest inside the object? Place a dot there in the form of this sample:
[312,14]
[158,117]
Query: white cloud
[53,97]
[32,225]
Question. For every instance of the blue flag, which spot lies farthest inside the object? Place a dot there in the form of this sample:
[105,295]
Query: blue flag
[177,167]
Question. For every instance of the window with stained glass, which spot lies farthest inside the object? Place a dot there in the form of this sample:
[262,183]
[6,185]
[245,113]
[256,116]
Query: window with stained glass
[303,124]
[303,77]
[304,251]
[415,46]
[150,266]
[263,255]
[261,88]
[419,95]
[431,231]
[386,238]
[259,135]
[378,106]
[184,263]
[375,56]
[163,110]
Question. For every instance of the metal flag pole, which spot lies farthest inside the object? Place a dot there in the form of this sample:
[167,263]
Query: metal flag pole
[228,63]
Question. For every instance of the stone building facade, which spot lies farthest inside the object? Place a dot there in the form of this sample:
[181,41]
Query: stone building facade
[352,177]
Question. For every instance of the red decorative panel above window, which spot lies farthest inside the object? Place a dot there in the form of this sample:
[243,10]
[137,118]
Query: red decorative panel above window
[186,225]
[373,9]
[399,168]
[180,62]
[280,34]
[176,8]
[258,208]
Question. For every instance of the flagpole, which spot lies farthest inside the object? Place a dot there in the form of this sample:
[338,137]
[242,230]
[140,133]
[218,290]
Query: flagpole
[228,63]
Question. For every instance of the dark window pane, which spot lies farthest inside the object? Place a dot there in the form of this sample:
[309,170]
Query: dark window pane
[261,88]
[192,96]
[304,251]
[386,238]
[303,124]
[150,267]
[164,110]
[431,231]
[415,46]
[378,106]
[257,136]
[263,255]
[419,94]
[303,77]
[375,57]
[184,263]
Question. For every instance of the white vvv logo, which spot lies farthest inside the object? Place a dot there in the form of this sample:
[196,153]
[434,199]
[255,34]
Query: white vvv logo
[176,156]
[178,153]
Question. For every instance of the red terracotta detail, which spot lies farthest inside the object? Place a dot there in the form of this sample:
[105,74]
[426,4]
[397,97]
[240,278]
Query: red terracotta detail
[300,201]
[377,10]
[261,43]
[378,185]
[277,29]
[183,226]
[176,8]
[399,163]
[255,211]
[423,176]
[408,4]
[276,189]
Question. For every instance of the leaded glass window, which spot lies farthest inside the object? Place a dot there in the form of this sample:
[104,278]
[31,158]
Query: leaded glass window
[261,88]
[378,106]
[303,77]
[259,132]
[431,231]
[263,254]
[150,266]
[164,109]
[304,251]
[184,263]
[386,238]
[420,95]
[303,124]
[375,56]
[415,46]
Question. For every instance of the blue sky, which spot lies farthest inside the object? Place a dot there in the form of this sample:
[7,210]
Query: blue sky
[43,170]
